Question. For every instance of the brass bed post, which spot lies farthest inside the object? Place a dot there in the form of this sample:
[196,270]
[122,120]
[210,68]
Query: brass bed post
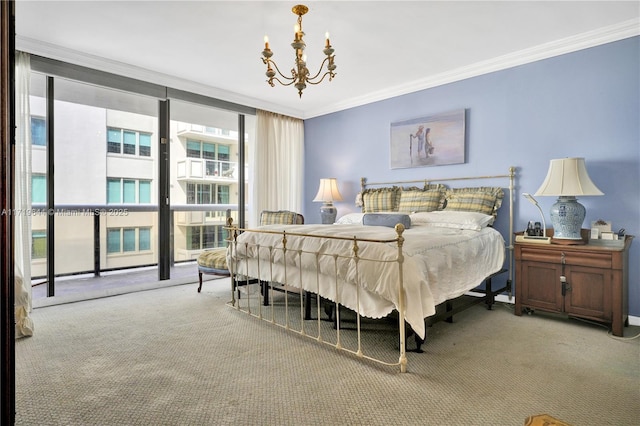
[401,305]
[512,172]
[232,241]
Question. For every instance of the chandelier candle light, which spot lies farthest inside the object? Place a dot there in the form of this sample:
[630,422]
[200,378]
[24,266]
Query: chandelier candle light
[328,193]
[299,73]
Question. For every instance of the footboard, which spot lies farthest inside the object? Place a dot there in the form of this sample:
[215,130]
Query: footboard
[286,277]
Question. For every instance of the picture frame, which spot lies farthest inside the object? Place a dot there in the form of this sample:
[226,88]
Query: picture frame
[434,140]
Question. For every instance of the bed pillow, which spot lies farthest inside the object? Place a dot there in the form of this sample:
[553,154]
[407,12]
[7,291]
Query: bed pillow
[350,219]
[413,200]
[381,199]
[486,200]
[390,220]
[453,219]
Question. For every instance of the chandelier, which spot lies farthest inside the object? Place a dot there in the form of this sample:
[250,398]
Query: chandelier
[299,73]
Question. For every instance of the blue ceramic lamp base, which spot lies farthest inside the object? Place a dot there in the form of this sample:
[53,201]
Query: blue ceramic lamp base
[328,213]
[567,215]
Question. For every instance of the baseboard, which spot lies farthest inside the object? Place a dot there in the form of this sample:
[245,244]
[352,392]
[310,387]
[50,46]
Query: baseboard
[633,320]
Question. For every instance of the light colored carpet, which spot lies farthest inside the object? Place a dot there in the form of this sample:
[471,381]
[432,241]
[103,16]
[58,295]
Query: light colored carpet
[172,356]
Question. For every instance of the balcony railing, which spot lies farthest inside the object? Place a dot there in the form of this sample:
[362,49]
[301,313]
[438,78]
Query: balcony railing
[196,130]
[81,246]
[210,170]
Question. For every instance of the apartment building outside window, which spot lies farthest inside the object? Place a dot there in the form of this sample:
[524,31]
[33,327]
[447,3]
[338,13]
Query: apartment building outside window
[207,193]
[128,191]
[121,141]
[38,131]
[217,156]
[38,244]
[205,237]
[38,188]
[128,240]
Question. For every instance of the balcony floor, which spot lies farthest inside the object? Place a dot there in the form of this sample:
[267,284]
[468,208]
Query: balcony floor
[84,287]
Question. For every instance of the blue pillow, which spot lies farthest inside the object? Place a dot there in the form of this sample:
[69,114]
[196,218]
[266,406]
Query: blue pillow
[389,220]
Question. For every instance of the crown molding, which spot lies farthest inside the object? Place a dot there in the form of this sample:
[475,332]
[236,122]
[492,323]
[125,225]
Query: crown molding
[604,35]
[616,32]
[52,51]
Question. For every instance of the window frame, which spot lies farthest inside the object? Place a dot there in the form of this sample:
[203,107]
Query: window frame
[139,149]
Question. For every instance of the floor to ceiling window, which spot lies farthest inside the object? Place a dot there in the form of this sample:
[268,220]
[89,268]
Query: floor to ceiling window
[205,186]
[106,173]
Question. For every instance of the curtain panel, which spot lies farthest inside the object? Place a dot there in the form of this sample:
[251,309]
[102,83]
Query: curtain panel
[278,165]
[22,240]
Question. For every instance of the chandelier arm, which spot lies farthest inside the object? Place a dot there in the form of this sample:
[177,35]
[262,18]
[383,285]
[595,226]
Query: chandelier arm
[320,81]
[284,84]
[282,75]
[319,71]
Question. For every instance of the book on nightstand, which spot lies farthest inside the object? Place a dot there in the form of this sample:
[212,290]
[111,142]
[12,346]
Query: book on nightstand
[533,239]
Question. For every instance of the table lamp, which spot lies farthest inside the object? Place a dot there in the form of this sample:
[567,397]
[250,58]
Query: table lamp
[328,193]
[566,179]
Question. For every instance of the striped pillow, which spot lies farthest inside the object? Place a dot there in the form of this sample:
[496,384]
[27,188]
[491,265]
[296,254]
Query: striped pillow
[281,217]
[485,200]
[381,200]
[416,200]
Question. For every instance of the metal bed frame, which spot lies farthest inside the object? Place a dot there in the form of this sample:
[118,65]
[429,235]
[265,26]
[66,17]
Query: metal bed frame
[301,300]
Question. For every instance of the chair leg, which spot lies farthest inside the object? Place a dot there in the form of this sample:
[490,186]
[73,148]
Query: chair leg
[200,281]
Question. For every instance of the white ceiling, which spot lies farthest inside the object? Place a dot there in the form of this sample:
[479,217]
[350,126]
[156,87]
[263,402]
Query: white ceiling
[383,48]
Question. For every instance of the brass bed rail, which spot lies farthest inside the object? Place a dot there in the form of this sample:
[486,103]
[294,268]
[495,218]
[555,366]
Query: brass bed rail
[254,306]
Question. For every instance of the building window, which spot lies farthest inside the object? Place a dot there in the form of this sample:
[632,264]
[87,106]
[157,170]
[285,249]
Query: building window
[130,142]
[223,194]
[205,237]
[144,191]
[202,193]
[217,156]
[38,131]
[113,240]
[193,149]
[38,189]
[128,191]
[144,143]
[128,240]
[38,244]
[114,140]
[144,239]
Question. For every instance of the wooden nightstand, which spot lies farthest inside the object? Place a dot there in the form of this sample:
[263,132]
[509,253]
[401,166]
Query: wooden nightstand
[587,281]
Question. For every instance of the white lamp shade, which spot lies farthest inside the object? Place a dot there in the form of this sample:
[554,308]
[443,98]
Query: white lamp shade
[328,191]
[568,177]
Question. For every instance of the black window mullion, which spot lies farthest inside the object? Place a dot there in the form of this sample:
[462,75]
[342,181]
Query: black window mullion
[50,187]
[164,208]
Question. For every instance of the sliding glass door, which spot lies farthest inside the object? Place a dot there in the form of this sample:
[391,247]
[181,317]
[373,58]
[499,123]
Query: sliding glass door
[130,177]
[206,148]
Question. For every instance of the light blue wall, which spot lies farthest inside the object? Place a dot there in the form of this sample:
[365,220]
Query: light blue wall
[583,104]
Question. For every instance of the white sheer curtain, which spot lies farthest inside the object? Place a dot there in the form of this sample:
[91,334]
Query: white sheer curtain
[22,204]
[278,169]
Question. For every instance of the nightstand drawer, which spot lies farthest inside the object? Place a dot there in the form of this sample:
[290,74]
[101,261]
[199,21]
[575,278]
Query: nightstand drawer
[583,258]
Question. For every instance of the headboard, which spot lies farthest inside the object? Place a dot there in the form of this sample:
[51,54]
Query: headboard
[411,196]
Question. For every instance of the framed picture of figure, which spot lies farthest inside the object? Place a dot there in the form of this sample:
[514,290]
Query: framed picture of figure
[434,140]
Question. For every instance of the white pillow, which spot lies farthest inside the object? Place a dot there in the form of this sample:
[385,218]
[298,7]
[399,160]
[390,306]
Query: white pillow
[453,219]
[351,219]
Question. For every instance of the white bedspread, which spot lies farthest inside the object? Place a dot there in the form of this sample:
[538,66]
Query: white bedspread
[439,264]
